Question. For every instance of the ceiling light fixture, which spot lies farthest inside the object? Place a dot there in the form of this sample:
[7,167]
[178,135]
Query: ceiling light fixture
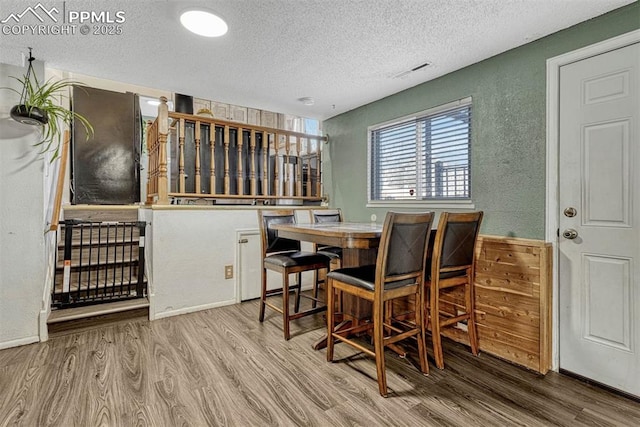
[203,23]
[307,100]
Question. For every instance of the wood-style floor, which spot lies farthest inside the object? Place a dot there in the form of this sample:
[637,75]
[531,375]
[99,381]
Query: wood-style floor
[222,367]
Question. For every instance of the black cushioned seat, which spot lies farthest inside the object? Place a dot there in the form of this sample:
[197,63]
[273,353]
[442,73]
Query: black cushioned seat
[295,259]
[330,251]
[364,277]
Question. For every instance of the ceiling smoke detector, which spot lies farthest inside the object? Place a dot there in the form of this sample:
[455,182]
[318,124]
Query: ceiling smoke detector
[203,23]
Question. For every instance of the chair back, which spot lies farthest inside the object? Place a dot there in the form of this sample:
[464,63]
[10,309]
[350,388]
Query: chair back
[271,243]
[325,215]
[403,249]
[455,242]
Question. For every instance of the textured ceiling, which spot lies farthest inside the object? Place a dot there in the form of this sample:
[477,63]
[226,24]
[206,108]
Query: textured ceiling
[342,53]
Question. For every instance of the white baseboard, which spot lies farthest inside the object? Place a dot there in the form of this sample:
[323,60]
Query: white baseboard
[192,309]
[19,342]
[42,323]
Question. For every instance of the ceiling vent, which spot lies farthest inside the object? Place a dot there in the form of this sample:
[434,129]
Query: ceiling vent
[406,73]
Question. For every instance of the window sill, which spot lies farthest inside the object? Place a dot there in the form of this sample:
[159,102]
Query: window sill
[421,204]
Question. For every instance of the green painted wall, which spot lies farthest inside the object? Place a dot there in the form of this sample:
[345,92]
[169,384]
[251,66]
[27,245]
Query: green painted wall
[508,129]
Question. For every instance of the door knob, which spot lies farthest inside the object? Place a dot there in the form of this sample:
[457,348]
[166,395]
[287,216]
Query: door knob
[570,233]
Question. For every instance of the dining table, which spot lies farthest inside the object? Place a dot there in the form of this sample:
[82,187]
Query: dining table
[359,242]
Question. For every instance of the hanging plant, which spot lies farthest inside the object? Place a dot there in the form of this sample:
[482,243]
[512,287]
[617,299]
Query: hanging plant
[38,107]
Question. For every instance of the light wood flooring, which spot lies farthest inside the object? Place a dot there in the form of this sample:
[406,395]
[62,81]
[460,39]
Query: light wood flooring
[222,367]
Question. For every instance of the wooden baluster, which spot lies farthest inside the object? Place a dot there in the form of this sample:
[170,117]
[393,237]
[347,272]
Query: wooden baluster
[240,141]
[252,173]
[265,163]
[226,160]
[298,168]
[156,159]
[197,141]
[276,177]
[163,130]
[285,172]
[182,176]
[212,166]
[150,159]
[308,152]
[318,166]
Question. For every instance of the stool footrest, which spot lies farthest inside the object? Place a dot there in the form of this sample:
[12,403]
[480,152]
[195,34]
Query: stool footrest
[308,312]
[279,291]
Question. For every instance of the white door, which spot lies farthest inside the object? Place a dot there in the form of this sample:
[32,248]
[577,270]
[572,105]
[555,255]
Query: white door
[599,243]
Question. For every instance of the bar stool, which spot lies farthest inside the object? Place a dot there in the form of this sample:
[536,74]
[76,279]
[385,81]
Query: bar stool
[453,265]
[285,257]
[320,216]
[399,272]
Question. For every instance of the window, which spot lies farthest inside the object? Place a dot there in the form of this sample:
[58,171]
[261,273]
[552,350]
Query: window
[425,157]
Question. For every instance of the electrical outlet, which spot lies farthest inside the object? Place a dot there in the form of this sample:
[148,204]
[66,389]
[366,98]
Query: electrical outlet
[228,271]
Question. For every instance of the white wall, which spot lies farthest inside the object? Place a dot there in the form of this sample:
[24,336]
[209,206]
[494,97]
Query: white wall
[22,241]
[187,249]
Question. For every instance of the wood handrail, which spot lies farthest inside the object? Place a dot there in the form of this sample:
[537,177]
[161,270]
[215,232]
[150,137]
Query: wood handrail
[236,125]
[62,170]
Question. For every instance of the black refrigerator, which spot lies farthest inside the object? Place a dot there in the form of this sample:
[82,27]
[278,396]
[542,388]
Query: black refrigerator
[106,167]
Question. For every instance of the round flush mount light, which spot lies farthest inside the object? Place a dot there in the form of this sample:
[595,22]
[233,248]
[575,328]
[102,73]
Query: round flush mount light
[203,23]
[307,100]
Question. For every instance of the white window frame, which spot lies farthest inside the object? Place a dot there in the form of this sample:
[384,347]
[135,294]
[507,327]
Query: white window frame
[435,204]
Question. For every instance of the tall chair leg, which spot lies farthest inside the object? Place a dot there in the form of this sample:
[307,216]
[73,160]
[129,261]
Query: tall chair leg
[422,348]
[435,329]
[471,322]
[314,302]
[315,288]
[378,344]
[263,295]
[285,305]
[330,317]
[298,292]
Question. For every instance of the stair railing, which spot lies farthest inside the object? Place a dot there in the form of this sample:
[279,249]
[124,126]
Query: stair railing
[198,157]
[62,170]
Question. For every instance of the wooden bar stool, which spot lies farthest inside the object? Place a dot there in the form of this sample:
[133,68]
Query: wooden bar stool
[285,257]
[319,216]
[399,272]
[453,265]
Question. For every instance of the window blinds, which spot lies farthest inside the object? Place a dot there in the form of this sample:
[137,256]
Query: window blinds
[426,157]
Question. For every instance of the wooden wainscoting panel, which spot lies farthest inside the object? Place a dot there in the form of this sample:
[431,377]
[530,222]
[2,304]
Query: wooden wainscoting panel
[513,301]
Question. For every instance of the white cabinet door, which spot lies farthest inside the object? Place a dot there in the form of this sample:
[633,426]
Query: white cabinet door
[249,264]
